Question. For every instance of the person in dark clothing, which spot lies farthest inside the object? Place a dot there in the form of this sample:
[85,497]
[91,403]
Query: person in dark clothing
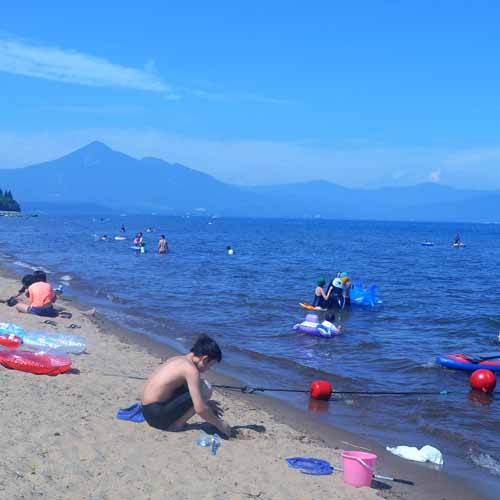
[320,297]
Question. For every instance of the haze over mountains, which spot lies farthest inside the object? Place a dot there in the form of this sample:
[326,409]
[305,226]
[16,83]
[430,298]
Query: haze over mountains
[97,179]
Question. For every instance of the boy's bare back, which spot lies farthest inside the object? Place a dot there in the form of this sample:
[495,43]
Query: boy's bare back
[167,378]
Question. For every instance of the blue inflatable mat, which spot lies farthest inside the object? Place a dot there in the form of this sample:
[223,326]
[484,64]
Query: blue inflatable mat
[467,362]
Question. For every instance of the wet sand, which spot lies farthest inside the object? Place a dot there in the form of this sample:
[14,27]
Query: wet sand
[61,439]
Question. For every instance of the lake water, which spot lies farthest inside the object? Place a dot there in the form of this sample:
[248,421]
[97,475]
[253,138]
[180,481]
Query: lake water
[435,300]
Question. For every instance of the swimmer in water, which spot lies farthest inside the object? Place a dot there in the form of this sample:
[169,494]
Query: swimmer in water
[123,229]
[229,250]
[346,288]
[162,245]
[335,294]
[104,237]
[138,240]
[320,297]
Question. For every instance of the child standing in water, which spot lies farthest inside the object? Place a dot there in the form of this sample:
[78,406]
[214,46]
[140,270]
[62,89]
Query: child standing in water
[320,297]
[138,240]
[162,245]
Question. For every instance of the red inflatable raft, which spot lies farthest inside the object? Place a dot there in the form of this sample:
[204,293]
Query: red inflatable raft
[35,362]
[9,340]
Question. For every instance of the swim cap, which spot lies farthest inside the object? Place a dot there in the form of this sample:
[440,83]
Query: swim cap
[337,283]
[321,281]
[344,280]
[343,275]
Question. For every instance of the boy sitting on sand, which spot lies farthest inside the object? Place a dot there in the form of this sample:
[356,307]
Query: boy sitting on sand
[175,391]
[40,294]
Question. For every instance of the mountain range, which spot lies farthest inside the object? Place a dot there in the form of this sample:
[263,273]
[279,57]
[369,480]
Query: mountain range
[97,178]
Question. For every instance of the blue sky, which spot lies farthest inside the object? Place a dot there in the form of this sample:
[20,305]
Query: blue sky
[366,94]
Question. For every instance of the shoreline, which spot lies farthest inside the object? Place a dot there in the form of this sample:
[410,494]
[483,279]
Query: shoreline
[429,483]
[310,433]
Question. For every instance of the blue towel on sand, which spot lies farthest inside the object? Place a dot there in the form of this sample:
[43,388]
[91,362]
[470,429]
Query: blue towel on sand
[132,413]
[311,466]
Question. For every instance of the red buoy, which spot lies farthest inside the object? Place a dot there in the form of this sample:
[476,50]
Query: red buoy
[320,389]
[483,380]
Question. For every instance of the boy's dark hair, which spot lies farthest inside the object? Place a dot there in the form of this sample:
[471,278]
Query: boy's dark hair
[27,281]
[40,276]
[205,346]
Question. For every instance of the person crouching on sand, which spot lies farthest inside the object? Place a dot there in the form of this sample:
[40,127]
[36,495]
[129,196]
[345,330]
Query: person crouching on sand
[41,296]
[175,391]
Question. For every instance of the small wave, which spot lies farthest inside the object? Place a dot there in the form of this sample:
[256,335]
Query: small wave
[283,335]
[426,366]
[486,462]
[115,299]
[370,345]
[25,265]
[19,263]
[448,434]
[66,277]
[494,321]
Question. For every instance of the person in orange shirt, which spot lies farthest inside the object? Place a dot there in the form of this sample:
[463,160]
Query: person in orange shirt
[41,296]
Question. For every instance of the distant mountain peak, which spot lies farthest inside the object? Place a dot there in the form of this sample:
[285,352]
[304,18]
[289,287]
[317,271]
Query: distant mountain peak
[92,154]
[95,147]
[99,175]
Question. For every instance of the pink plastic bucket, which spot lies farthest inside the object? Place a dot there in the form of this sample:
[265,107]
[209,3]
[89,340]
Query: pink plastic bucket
[359,467]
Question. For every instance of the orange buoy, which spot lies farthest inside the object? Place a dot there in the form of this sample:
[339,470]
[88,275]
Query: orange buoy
[320,389]
[483,380]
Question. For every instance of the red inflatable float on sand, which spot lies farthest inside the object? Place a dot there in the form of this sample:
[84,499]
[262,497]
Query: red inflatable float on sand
[9,340]
[34,362]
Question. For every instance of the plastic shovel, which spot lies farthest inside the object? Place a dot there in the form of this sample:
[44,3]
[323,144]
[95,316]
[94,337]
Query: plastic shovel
[395,479]
[386,478]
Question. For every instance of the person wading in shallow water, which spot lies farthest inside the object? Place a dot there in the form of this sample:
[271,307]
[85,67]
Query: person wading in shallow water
[175,391]
[162,245]
[320,297]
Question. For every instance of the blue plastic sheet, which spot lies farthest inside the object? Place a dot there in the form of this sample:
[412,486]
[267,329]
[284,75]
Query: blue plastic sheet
[311,466]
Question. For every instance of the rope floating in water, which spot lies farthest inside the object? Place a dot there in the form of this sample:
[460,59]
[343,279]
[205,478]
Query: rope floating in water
[325,395]
[246,389]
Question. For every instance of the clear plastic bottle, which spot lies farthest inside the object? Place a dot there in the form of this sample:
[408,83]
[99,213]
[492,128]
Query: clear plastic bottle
[216,442]
[204,439]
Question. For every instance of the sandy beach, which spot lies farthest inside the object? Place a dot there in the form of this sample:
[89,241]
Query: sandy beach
[61,438]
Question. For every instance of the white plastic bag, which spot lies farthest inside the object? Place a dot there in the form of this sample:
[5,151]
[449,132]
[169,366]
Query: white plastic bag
[425,454]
